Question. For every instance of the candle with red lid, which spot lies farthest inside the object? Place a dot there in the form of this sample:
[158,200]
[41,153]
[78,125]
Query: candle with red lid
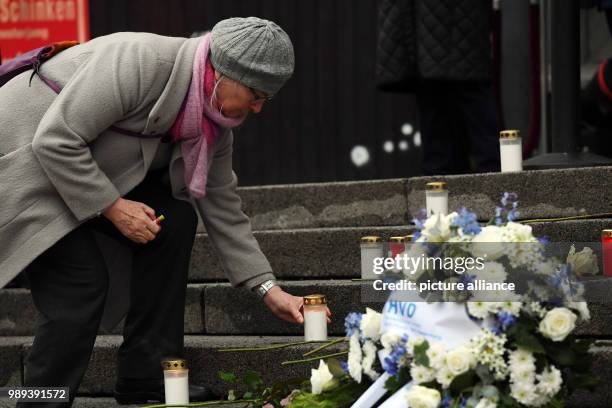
[606,250]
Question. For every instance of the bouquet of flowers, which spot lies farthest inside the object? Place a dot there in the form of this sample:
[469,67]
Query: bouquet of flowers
[525,354]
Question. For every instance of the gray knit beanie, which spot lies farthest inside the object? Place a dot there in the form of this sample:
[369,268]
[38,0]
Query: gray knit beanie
[252,51]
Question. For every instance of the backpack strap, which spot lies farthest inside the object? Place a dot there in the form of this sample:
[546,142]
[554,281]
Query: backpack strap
[33,60]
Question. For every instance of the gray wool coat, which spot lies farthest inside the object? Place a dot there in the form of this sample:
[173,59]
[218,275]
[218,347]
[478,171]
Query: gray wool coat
[60,165]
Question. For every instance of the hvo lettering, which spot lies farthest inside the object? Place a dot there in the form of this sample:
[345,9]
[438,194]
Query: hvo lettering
[402,308]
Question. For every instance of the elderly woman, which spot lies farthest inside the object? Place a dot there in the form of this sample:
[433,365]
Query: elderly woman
[141,127]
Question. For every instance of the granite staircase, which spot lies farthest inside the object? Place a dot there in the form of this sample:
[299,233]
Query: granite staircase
[310,233]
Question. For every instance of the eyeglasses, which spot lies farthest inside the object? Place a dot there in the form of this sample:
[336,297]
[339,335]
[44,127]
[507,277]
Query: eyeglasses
[257,97]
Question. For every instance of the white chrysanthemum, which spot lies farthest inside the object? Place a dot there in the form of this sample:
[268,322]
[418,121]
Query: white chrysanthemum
[522,358]
[513,308]
[437,228]
[492,272]
[390,339]
[437,355]
[370,324]
[486,403]
[519,232]
[537,309]
[321,379]
[523,392]
[558,323]
[421,374]
[460,360]
[369,356]
[354,358]
[549,381]
[540,400]
[479,310]
[444,377]
[523,373]
[423,397]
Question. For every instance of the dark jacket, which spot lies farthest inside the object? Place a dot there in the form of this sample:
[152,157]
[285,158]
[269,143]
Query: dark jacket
[444,40]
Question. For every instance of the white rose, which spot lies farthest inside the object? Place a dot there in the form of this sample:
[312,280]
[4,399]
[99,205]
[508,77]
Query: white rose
[582,308]
[488,243]
[437,228]
[558,323]
[423,397]
[370,324]
[486,403]
[583,262]
[460,360]
[321,379]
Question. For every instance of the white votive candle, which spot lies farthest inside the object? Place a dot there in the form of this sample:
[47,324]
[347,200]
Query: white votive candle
[176,381]
[510,151]
[371,248]
[315,318]
[436,198]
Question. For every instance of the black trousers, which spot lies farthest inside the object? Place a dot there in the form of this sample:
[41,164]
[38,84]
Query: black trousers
[459,128]
[69,283]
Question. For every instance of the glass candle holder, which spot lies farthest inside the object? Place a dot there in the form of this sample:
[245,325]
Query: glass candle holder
[436,198]
[315,318]
[371,248]
[606,251]
[176,381]
[510,150]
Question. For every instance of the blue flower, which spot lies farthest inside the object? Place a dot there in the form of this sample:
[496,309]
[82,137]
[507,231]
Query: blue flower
[391,363]
[509,202]
[352,322]
[344,366]
[544,240]
[467,278]
[467,221]
[504,320]
[447,401]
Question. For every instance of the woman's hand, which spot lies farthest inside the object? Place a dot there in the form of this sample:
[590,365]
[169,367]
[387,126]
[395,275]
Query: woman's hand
[287,306]
[134,220]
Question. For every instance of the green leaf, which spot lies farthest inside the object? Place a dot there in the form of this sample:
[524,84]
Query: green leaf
[227,376]
[396,382]
[420,354]
[252,380]
[248,395]
[463,381]
[529,342]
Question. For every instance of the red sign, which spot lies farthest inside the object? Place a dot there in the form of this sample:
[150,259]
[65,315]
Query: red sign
[28,24]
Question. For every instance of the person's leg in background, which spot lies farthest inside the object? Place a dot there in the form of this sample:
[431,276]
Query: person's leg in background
[154,324]
[443,138]
[69,283]
[476,103]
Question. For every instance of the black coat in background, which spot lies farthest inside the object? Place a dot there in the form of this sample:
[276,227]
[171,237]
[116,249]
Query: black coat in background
[441,40]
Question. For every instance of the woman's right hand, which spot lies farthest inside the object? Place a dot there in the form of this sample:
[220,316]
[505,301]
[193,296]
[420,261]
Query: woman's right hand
[133,219]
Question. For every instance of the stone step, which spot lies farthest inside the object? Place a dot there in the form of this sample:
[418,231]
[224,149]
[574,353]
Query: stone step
[201,352]
[338,204]
[541,193]
[334,252]
[217,308]
[205,361]
[109,402]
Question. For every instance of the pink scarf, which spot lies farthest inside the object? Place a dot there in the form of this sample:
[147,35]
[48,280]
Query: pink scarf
[198,123]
